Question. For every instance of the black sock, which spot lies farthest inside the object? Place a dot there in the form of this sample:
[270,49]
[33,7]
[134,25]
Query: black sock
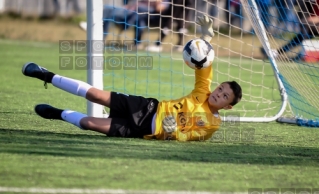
[49,76]
[59,114]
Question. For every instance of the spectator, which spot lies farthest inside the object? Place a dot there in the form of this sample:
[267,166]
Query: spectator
[286,15]
[56,5]
[237,14]
[75,6]
[135,13]
[176,13]
[74,9]
[125,2]
[213,8]
[263,6]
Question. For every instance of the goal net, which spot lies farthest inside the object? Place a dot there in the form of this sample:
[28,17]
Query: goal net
[144,42]
[287,32]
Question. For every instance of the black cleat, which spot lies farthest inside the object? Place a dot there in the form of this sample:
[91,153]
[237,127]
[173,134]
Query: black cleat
[48,112]
[36,71]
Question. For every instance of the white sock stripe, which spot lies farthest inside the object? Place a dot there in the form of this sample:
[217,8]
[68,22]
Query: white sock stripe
[72,86]
[73,117]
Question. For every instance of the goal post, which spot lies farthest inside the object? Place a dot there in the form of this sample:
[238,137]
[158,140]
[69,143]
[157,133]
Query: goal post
[254,15]
[95,60]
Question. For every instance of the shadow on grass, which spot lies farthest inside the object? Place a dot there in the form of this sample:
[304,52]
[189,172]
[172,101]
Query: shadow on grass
[95,146]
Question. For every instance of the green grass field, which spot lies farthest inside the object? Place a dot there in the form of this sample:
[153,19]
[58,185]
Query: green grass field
[38,153]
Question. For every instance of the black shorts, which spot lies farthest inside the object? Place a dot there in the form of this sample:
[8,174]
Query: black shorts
[131,115]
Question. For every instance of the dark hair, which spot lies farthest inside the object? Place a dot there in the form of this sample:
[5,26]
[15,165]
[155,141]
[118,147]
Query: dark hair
[236,90]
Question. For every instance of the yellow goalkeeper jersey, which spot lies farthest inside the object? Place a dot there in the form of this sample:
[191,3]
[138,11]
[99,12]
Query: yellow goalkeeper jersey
[195,121]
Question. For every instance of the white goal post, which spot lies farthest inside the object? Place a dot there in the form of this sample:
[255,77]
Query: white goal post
[95,61]
[253,15]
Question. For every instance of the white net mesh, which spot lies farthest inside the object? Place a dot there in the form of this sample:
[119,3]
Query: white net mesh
[236,45]
[289,41]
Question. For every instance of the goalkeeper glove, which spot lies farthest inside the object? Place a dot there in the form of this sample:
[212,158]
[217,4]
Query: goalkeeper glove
[169,124]
[206,24]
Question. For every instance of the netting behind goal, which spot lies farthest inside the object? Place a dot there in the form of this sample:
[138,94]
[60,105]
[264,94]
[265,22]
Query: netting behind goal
[156,68]
[285,31]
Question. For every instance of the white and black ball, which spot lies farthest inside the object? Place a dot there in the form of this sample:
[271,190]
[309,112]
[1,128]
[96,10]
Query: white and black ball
[198,53]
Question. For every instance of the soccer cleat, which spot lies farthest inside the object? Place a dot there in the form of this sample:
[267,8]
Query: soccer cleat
[83,25]
[48,112]
[154,48]
[36,71]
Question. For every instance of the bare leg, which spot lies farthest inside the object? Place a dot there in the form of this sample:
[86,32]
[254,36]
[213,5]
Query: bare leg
[82,121]
[69,85]
[101,125]
[75,87]
[99,96]
[83,89]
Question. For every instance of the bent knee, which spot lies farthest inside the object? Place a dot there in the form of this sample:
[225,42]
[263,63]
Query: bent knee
[98,96]
[101,125]
[94,94]
[87,123]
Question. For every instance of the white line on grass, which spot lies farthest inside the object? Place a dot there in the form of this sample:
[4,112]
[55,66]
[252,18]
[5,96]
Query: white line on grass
[102,191]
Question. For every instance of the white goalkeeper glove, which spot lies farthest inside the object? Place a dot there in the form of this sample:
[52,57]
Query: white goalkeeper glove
[169,124]
[206,24]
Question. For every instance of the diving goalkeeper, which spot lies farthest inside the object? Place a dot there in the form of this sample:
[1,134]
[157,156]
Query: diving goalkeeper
[190,118]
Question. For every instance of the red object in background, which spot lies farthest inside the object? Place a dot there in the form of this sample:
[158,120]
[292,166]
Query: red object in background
[311,50]
[311,56]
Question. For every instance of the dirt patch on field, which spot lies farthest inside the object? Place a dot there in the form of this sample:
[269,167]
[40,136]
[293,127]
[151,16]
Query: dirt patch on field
[53,30]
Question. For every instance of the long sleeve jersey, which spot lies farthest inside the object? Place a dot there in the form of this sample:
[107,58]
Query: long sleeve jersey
[195,121]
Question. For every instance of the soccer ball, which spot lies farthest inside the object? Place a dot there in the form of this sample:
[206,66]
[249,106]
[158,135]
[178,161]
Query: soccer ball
[198,54]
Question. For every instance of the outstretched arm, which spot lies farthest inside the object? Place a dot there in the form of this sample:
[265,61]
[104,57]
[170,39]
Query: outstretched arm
[203,77]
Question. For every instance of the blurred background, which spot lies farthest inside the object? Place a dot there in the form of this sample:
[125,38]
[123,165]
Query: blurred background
[54,20]
[68,8]
[75,11]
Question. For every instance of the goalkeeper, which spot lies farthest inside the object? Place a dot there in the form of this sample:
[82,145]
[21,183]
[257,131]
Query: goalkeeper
[190,118]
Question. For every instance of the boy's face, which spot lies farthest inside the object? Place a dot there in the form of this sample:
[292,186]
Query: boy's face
[221,97]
